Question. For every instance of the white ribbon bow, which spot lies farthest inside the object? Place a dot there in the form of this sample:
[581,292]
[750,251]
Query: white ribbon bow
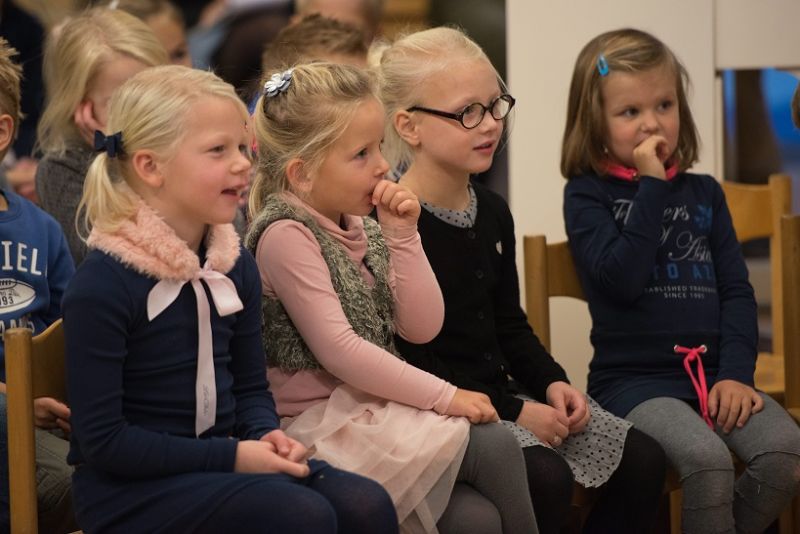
[227,301]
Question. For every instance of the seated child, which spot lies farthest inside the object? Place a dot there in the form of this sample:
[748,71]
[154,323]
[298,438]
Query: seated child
[174,427]
[337,285]
[673,313]
[446,112]
[89,57]
[36,266]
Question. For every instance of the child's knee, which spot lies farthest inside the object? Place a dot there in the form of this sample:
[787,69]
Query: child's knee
[469,511]
[495,439]
[547,468]
[781,470]
[643,463]
[707,455]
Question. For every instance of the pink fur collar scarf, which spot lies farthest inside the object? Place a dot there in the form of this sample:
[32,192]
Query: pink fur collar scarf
[150,246]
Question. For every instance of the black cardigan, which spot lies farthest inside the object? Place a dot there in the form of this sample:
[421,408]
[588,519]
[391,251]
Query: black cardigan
[485,336]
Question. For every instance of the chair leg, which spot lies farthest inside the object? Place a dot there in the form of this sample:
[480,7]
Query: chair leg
[675,504]
[785,525]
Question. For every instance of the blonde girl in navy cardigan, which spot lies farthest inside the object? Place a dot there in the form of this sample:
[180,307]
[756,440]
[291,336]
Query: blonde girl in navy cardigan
[173,426]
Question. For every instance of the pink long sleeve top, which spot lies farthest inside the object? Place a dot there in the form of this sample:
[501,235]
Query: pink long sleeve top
[293,270]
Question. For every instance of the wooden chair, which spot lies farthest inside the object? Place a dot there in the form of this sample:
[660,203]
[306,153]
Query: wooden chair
[34,368]
[790,260]
[756,211]
[549,271]
[790,239]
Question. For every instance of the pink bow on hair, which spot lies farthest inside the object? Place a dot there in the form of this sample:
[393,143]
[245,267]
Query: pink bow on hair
[227,301]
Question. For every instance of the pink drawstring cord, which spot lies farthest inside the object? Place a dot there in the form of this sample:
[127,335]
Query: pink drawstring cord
[699,382]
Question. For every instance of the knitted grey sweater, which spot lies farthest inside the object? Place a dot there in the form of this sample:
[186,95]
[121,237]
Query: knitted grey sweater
[59,184]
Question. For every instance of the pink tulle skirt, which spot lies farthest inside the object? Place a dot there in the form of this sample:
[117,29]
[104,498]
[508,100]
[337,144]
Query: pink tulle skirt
[415,454]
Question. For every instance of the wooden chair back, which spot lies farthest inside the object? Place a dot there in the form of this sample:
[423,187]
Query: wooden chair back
[756,211]
[34,368]
[790,238]
[549,272]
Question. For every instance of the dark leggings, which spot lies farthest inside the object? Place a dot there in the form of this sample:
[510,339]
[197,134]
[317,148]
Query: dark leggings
[627,502]
[328,501]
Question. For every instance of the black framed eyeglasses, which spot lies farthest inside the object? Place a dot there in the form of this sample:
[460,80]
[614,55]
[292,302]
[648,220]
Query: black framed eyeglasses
[471,116]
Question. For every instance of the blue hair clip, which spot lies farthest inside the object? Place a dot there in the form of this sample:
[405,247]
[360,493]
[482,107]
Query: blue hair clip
[278,83]
[602,65]
[111,144]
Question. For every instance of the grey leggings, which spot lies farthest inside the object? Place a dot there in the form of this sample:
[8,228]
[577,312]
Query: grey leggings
[769,445]
[491,495]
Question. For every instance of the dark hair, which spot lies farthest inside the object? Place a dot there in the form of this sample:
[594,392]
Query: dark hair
[312,38]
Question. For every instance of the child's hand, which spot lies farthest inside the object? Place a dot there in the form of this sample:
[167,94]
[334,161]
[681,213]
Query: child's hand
[547,423]
[396,205]
[649,157]
[86,122]
[473,405]
[571,403]
[732,403]
[261,457]
[22,178]
[48,413]
[289,448]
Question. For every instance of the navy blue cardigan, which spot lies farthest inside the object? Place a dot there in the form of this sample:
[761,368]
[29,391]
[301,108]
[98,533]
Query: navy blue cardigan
[660,265]
[485,336]
[131,381]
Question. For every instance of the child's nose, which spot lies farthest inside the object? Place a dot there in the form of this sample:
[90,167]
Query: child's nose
[649,122]
[242,163]
[489,123]
[383,167]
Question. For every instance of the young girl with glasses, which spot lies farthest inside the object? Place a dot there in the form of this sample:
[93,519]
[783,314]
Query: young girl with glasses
[673,314]
[447,111]
[173,425]
[336,287]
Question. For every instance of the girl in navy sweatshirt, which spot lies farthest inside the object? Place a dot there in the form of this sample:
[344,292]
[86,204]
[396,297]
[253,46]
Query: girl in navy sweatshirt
[674,317]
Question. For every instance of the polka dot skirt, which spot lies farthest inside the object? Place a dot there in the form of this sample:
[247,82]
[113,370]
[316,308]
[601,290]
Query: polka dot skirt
[594,453]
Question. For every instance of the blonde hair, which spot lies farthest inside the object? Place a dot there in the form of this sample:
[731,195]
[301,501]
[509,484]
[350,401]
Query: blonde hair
[75,55]
[304,121]
[150,110]
[144,9]
[403,69]
[629,51]
[10,74]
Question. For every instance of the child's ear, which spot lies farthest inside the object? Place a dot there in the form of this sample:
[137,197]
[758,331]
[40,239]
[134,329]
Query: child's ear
[148,168]
[6,131]
[298,177]
[406,127]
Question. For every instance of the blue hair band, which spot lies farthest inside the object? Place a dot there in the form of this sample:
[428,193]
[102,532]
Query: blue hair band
[602,65]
